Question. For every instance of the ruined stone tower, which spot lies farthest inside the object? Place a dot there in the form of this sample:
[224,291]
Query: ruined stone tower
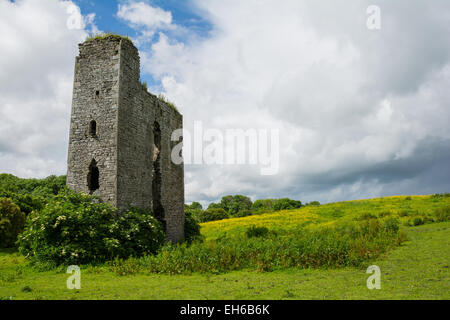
[120,135]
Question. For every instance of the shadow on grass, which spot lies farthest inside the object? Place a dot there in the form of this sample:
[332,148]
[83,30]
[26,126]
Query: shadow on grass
[7,251]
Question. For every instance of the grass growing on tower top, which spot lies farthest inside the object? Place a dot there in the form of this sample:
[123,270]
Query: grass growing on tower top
[102,36]
[163,98]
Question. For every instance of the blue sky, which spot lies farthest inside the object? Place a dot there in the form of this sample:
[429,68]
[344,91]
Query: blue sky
[184,13]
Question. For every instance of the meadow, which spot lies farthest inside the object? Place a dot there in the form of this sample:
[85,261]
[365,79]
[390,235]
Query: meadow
[315,252]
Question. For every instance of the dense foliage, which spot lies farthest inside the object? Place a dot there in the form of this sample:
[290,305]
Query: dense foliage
[37,187]
[191,228]
[342,245]
[73,229]
[233,205]
[239,206]
[286,204]
[264,205]
[12,222]
[211,214]
[30,194]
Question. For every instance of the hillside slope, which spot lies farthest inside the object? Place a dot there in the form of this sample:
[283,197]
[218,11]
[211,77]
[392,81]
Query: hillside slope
[405,208]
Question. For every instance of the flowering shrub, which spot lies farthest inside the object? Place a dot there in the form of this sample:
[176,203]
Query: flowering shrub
[72,229]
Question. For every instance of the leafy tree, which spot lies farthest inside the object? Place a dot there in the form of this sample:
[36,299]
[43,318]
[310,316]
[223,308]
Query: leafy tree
[213,214]
[263,205]
[46,188]
[213,205]
[286,204]
[196,206]
[235,204]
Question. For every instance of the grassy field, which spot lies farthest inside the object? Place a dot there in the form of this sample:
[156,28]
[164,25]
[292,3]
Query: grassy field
[418,269]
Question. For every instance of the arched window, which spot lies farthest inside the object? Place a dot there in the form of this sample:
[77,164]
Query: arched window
[158,209]
[93,128]
[93,177]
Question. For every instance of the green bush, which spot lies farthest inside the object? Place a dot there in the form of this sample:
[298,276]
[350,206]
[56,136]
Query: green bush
[243,213]
[213,214]
[72,229]
[12,222]
[403,213]
[442,214]
[417,221]
[286,204]
[257,232]
[391,225]
[191,228]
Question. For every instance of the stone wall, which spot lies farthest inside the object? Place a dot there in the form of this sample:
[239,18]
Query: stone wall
[127,118]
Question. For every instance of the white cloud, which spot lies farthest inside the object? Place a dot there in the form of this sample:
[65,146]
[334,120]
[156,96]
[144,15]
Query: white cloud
[143,15]
[347,100]
[36,80]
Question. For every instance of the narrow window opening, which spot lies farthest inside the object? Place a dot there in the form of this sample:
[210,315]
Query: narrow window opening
[97,93]
[93,128]
[93,177]
[158,209]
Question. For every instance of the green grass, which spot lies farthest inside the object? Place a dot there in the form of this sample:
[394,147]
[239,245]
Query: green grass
[164,99]
[417,270]
[102,36]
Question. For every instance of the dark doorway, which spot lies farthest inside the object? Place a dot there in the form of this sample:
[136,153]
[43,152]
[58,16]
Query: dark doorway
[93,177]
[158,209]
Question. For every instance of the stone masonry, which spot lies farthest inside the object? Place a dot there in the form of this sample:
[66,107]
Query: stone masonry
[120,135]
